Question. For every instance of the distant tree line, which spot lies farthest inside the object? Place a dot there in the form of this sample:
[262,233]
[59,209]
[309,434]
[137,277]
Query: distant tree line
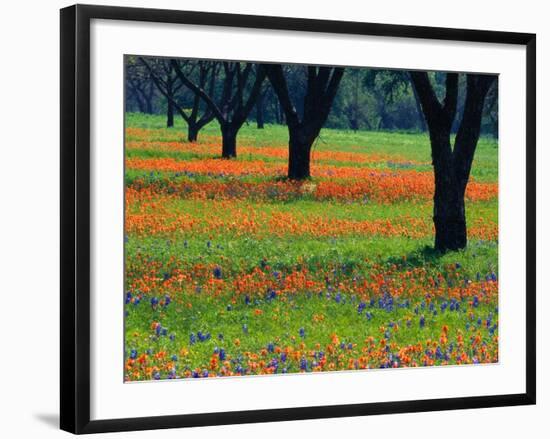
[455,109]
[367,99]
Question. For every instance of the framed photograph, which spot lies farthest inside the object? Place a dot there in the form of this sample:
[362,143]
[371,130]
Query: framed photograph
[268,218]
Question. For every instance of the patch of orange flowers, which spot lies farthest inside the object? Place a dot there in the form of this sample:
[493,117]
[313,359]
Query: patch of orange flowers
[377,186]
[182,280]
[242,221]
[277,152]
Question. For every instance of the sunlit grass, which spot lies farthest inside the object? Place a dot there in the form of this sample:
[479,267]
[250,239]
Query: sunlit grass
[240,283]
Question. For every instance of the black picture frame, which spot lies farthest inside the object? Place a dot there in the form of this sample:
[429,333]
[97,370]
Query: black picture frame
[75,217]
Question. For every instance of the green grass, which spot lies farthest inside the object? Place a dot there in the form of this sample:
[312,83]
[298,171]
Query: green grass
[410,146]
[344,270]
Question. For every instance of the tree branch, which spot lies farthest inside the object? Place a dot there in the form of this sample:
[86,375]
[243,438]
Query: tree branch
[163,89]
[276,77]
[428,100]
[254,92]
[217,113]
[477,87]
[451,97]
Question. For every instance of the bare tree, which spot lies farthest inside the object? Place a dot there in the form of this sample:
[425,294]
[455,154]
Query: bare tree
[232,107]
[168,83]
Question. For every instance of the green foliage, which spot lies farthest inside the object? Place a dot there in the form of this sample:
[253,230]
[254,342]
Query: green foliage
[368,98]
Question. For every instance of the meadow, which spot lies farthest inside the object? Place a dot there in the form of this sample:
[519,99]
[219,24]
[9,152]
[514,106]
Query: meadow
[231,269]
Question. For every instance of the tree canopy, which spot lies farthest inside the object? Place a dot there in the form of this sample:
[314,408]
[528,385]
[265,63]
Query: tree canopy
[367,98]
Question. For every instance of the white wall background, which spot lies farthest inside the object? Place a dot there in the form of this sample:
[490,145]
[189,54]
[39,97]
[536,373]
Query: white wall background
[29,216]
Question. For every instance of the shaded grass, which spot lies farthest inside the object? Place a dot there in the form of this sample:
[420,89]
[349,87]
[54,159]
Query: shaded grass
[245,254]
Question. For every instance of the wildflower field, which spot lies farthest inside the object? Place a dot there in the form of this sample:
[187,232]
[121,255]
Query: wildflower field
[231,269]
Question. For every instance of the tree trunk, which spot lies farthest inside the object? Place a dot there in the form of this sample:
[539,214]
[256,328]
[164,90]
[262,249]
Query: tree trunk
[260,112]
[150,94]
[354,123]
[449,214]
[192,132]
[148,105]
[276,112]
[170,114]
[421,120]
[452,166]
[281,114]
[449,219]
[299,150]
[321,88]
[355,119]
[229,142]
[384,123]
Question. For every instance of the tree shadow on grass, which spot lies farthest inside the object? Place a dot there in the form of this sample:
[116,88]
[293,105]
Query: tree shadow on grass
[421,257]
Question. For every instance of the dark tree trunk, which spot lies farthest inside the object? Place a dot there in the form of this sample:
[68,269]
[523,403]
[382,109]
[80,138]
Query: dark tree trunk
[192,132]
[170,114]
[148,105]
[233,108]
[385,121]
[354,122]
[260,111]
[321,87]
[452,166]
[277,112]
[449,213]
[170,95]
[421,120]
[149,95]
[229,142]
[449,217]
[299,152]
[282,116]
